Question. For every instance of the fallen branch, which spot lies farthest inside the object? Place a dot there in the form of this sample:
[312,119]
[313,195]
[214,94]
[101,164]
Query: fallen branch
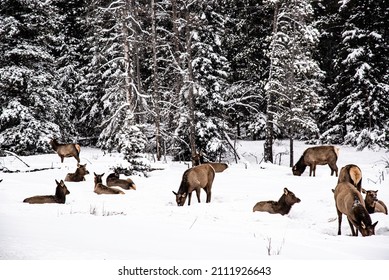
[15,155]
[6,170]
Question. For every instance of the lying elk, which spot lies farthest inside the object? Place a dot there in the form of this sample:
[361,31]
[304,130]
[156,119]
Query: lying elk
[351,173]
[197,178]
[114,181]
[101,189]
[282,206]
[319,155]
[66,150]
[349,201]
[60,195]
[373,204]
[79,175]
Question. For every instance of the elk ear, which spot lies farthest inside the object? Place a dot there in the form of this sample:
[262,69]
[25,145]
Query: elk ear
[78,165]
[57,182]
[363,190]
[183,195]
[286,191]
[375,224]
[363,225]
[174,192]
[95,173]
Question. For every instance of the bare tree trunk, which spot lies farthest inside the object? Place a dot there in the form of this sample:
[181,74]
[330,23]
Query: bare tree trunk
[157,110]
[178,82]
[127,57]
[192,120]
[270,108]
[136,62]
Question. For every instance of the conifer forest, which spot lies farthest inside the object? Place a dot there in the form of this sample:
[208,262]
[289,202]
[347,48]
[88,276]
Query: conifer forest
[179,77]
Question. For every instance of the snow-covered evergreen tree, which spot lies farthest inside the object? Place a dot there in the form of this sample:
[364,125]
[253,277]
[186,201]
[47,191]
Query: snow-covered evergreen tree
[33,105]
[294,76]
[361,115]
[204,81]
[248,24]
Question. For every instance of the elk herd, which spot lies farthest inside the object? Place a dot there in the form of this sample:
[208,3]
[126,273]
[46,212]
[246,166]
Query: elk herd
[347,193]
[73,150]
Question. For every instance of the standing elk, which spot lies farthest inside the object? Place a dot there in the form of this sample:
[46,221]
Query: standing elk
[282,206]
[197,178]
[352,174]
[319,155]
[101,189]
[114,181]
[66,150]
[77,176]
[349,201]
[60,195]
[373,204]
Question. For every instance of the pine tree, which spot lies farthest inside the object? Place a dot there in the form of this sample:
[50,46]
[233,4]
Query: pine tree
[295,75]
[360,117]
[34,107]
[248,24]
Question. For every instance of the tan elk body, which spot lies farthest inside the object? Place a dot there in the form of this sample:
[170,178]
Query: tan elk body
[197,178]
[349,201]
[314,156]
[66,150]
[102,189]
[282,206]
[60,195]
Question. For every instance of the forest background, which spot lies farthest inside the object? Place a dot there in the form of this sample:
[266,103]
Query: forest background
[179,77]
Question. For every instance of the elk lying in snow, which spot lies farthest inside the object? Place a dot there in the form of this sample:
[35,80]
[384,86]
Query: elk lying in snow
[114,181]
[351,173]
[319,155]
[78,176]
[101,189]
[373,205]
[349,201]
[60,195]
[66,150]
[282,206]
[197,178]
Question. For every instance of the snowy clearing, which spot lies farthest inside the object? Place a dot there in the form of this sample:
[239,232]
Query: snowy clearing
[146,223]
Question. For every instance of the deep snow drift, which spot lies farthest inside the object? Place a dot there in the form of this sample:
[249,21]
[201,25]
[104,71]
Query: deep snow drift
[147,224]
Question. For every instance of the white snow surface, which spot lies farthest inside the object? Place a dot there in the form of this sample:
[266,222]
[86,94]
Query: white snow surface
[146,224]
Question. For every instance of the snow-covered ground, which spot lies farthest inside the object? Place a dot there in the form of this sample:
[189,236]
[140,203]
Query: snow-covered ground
[146,224]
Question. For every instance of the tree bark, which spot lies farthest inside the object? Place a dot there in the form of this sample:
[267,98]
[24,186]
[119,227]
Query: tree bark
[270,110]
[127,57]
[157,111]
[192,120]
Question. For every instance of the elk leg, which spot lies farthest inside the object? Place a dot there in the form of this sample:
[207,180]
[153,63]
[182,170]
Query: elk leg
[334,168]
[310,170]
[314,169]
[208,195]
[198,190]
[339,221]
[189,198]
[352,228]
[61,159]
